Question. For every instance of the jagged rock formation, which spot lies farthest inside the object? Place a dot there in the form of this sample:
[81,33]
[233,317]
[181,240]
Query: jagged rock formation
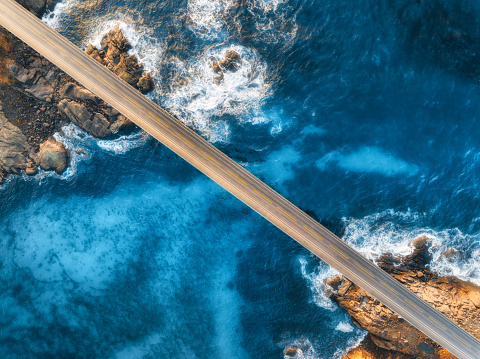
[114,55]
[457,299]
[231,62]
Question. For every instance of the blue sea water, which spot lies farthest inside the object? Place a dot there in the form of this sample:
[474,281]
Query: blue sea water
[362,113]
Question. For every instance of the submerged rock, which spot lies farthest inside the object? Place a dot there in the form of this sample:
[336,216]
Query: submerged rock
[457,299]
[53,156]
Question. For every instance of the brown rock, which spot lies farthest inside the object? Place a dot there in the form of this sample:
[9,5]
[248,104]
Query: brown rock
[76,112]
[98,126]
[145,84]
[75,92]
[459,300]
[15,152]
[30,171]
[232,61]
[121,124]
[53,156]
[291,351]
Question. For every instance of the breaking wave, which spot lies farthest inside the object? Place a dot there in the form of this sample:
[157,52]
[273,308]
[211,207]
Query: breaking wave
[392,231]
[200,102]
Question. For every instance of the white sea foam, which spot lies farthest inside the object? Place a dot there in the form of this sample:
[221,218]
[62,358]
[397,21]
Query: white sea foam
[344,327]
[369,159]
[200,102]
[315,282]
[53,18]
[391,231]
[207,17]
[145,46]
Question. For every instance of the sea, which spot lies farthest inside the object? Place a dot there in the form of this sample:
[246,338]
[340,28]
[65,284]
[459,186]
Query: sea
[363,113]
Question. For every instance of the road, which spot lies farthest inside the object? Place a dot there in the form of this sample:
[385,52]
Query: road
[235,179]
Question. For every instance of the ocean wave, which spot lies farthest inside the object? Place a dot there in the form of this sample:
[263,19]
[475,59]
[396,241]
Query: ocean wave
[207,17]
[275,21]
[200,103]
[392,231]
[54,17]
[315,282]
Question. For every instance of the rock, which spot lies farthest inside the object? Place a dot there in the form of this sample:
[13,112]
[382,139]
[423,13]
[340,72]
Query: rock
[15,152]
[53,156]
[114,55]
[76,92]
[291,351]
[232,61]
[121,124]
[98,126]
[30,171]
[41,90]
[76,112]
[451,254]
[459,300]
[421,255]
[145,84]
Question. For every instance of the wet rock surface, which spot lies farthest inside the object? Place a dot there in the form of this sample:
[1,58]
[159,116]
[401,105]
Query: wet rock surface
[114,55]
[389,336]
[230,63]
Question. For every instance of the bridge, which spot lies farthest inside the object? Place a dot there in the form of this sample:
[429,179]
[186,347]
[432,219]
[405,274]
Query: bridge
[235,179]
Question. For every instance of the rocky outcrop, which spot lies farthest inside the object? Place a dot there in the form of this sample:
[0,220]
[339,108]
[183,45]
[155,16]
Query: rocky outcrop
[15,152]
[38,99]
[457,299]
[230,63]
[114,55]
[53,156]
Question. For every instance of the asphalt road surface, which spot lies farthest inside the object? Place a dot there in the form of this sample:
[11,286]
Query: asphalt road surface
[235,179]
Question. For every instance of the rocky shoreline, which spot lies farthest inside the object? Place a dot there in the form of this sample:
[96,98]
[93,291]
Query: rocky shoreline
[389,336]
[37,99]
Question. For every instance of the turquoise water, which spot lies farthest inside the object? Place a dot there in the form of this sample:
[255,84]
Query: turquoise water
[364,114]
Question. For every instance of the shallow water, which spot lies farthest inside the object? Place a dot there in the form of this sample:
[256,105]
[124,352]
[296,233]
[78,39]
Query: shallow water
[364,114]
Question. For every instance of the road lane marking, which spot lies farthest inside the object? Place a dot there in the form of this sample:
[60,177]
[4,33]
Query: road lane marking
[336,250]
[316,235]
[234,175]
[386,286]
[101,78]
[6,9]
[262,196]
[413,305]
[156,118]
[183,138]
[462,341]
[31,27]
[211,158]
[287,214]
[129,99]
[433,320]
[371,275]
[80,63]
[54,44]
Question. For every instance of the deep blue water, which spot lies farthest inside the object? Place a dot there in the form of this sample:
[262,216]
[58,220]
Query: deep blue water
[362,113]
